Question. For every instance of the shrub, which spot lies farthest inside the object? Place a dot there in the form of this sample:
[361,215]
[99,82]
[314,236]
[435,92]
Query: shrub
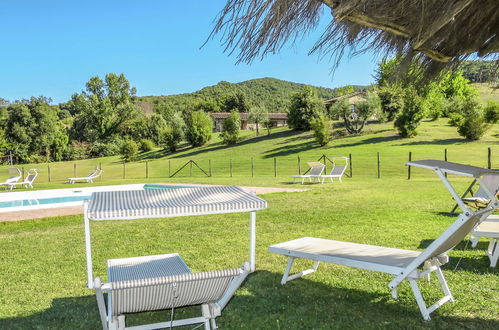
[411,115]
[322,129]
[473,127]
[105,149]
[146,145]
[456,119]
[491,112]
[199,128]
[392,102]
[129,150]
[230,128]
[305,106]
[173,133]
[80,150]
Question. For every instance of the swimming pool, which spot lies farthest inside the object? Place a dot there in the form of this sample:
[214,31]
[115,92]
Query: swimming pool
[40,199]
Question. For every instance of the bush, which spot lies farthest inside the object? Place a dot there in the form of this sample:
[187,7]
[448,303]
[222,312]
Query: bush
[173,133]
[491,112]
[456,119]
[146,145]
[392,102]
[230,128]
[322,130]
[305,106]
[80,150]
[199,128]
[106,149]
[473,128]
[411,115]
[129,150]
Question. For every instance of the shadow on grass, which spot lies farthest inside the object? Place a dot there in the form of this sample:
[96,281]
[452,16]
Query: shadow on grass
[436,142]
[374,140]
[263,303]
[287,150]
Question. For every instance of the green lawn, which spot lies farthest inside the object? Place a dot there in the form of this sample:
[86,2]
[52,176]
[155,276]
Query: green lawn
[42,264]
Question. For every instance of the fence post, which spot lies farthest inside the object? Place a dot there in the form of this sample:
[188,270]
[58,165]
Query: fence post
[275,167]
[350,156]
[190,168]
[445,158]
[489,155]
[299,165]
[147,169]
[74,170]
[230,167]
[102,174]
[169,167]
[48,169]
[409,167]
[379,173]
[22,170]
[123,169]
[209,164]
[252,167]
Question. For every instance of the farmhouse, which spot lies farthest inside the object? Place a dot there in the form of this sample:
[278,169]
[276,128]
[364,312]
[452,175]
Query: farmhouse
[352,98]
[277,119]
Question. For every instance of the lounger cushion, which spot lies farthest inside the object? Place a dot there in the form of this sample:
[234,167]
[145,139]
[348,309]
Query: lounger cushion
[352,251]
[488,228]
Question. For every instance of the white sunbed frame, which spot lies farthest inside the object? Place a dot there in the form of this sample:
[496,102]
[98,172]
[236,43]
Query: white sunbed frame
[90,178]
[488,228]
[12,179]
[337,171]
[430,259]
[315,172]
[166,203]
[27,182]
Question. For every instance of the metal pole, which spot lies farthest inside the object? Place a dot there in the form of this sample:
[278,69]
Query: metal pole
[253,241]
[489,155]
[409,167]
[190,168]
[445,158]
[379,173]
[252,167]
[299,166]
[48,170]
[350,156]
[275,166]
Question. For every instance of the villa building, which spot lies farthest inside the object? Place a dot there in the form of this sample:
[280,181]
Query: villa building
[277,120]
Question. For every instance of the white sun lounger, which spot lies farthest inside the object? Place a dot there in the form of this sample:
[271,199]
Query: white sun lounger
[162,282]
[17,175]
[402,264]
[337,171]
[27,182]
[315,171]
[90,178]
[488,228]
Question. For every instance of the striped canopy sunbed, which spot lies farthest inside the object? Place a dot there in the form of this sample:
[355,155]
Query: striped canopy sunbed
[160,282]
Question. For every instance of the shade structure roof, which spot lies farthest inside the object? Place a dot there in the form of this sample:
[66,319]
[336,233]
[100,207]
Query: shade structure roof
[160,203]
[454,168]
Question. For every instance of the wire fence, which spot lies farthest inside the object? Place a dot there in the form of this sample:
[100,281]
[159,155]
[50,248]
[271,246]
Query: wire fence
[370,163]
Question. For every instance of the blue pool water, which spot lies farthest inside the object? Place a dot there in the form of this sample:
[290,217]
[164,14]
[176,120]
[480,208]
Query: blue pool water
[66,199]
[41,201]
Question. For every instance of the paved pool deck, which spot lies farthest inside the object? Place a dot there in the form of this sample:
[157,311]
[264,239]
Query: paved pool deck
[72,210]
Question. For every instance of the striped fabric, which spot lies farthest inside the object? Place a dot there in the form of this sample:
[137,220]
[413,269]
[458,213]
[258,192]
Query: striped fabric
[170,291]
[137,268]
[132,204]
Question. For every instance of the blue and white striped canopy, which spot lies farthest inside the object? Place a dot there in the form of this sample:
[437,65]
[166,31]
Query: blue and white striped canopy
[159,203]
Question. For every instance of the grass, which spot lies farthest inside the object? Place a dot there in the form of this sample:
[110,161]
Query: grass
[42,264]
[285,146]
[43,267]
[487,92]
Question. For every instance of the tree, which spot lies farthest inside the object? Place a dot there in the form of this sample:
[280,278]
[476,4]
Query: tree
[411,115]
[230,128]
[173,133]
[305,106]
[199,128]
[322,129]
[355,116]
[258,115]
[129,150]
[391,100]
[238,101]
[491,112]
[103,108]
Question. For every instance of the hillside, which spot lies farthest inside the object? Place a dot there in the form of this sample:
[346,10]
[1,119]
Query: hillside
[271,92]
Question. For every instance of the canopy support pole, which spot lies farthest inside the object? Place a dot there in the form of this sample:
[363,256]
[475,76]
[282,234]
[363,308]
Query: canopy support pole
[88,246]
[252,241]
[464,195]
[452,191]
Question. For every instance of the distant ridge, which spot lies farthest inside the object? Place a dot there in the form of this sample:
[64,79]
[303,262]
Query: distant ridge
[271,92]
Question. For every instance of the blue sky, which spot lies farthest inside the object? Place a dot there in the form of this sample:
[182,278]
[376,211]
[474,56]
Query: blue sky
[52,48]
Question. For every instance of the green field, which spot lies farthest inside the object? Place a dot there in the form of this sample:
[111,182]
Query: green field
[42,266]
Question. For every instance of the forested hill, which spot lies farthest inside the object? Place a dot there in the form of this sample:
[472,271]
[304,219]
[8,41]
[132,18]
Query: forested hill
[273,93]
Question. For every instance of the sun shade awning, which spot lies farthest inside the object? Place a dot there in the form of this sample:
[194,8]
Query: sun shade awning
[160,203]
[454,168]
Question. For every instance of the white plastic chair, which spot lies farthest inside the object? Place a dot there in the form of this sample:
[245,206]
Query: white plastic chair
[316,169]
[89,178]
[337,171]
